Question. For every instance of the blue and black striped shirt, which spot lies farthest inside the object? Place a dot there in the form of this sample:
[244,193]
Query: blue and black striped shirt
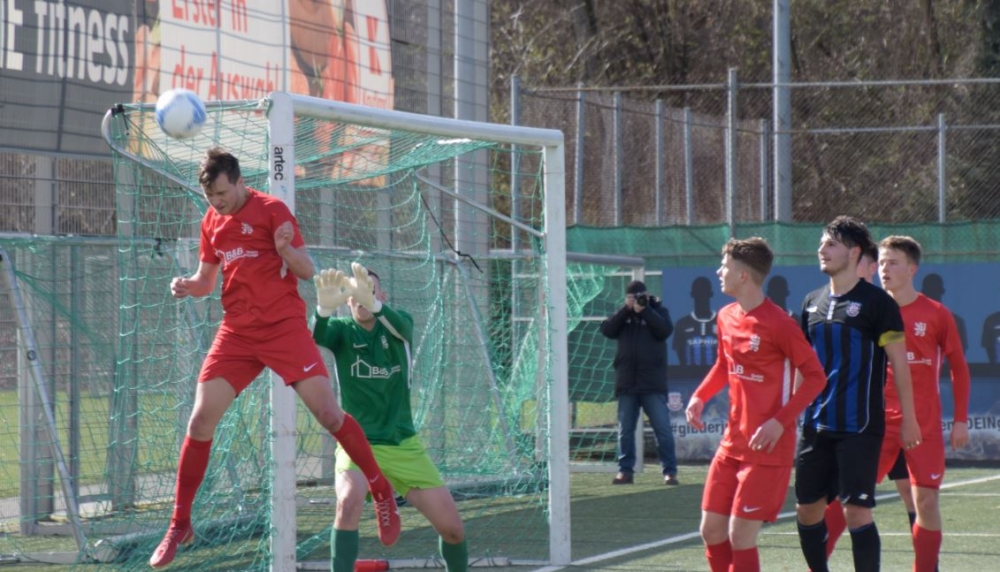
[849,333]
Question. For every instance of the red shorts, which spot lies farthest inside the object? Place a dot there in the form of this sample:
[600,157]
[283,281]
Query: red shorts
[925,461]
[745,490]
[287,348]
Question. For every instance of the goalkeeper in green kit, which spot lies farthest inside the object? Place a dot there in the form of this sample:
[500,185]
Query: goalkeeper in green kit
[372,353]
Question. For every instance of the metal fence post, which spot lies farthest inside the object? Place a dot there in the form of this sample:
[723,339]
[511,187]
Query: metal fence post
[765,175]
[688,170]
[75,390]
[942,129]
[617,130]
[581,135]
[731,167]
[515,162]
[782,66]
[658,146]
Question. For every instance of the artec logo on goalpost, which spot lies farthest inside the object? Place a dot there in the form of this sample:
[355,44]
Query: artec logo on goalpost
[278,166]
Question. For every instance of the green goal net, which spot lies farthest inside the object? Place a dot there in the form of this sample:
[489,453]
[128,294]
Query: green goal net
[457,219]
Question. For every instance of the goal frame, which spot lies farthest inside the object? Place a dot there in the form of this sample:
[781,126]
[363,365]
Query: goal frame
[283,109]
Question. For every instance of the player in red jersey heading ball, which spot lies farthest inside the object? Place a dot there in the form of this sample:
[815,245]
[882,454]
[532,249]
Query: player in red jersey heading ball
[255,239]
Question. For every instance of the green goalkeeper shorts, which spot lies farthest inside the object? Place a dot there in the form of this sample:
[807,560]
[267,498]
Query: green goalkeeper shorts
[407,465]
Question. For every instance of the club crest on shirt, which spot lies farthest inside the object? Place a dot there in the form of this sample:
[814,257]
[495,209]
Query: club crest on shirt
[385,343]
[246,228]
[754,342]
[853,309]
[920,329]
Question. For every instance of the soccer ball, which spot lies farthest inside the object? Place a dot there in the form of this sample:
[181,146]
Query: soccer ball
[180,113]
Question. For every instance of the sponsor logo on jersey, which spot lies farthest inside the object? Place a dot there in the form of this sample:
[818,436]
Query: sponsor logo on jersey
[230,256]
[739,372]
[364,370]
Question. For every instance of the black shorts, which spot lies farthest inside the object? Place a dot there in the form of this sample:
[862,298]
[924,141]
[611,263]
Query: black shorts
[899,470]
[841,465]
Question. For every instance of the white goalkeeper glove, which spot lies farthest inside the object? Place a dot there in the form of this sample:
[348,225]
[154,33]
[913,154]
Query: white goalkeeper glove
[363,288]
[332,290]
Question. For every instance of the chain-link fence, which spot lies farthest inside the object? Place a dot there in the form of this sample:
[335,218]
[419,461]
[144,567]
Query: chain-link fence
[920,151]
[46,195]
[884,151]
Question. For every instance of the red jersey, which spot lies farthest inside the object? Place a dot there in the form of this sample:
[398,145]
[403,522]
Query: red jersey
[257,287]
[759,352]
[931,334]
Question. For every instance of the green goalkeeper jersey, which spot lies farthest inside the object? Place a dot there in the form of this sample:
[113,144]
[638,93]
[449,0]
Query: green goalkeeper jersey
[373,370]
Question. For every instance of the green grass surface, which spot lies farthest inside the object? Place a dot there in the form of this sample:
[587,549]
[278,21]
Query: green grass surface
[647,526]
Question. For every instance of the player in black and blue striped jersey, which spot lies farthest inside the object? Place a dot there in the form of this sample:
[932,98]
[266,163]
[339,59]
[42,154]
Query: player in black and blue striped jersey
[856,329]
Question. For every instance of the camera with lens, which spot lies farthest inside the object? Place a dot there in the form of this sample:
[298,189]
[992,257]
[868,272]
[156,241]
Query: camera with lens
[642,299]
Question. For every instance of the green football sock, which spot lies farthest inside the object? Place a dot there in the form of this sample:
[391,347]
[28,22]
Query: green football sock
[343,550]
[456,556]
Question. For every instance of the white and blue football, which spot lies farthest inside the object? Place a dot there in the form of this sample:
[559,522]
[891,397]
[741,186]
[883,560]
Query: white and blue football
[180,113]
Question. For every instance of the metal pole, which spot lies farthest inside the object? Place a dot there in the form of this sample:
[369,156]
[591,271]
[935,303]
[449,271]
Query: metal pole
[688,170]
[765,175]
[617,138]
[659,150]
[942,168]
[581,136]
[435,105]
[515,160]
[75,367]
[731,152]
[782,111]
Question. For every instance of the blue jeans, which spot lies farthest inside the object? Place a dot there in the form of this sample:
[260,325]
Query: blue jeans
[655,406]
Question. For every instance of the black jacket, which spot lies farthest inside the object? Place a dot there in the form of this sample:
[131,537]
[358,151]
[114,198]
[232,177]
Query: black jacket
[641,359]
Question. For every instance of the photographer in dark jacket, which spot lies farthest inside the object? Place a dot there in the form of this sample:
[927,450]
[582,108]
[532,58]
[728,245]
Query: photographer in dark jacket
[641,327]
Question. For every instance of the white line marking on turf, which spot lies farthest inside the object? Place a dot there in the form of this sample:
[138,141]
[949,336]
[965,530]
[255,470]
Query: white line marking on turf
[623,552]
[684,537]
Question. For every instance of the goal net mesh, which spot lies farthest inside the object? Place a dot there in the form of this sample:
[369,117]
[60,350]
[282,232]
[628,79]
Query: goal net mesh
[470,272]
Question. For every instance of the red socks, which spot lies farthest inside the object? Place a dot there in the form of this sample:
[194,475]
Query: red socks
[927,548]
[352,439]
[836,524]
[190,472]
[747,560]
[719,556]
[722,558]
